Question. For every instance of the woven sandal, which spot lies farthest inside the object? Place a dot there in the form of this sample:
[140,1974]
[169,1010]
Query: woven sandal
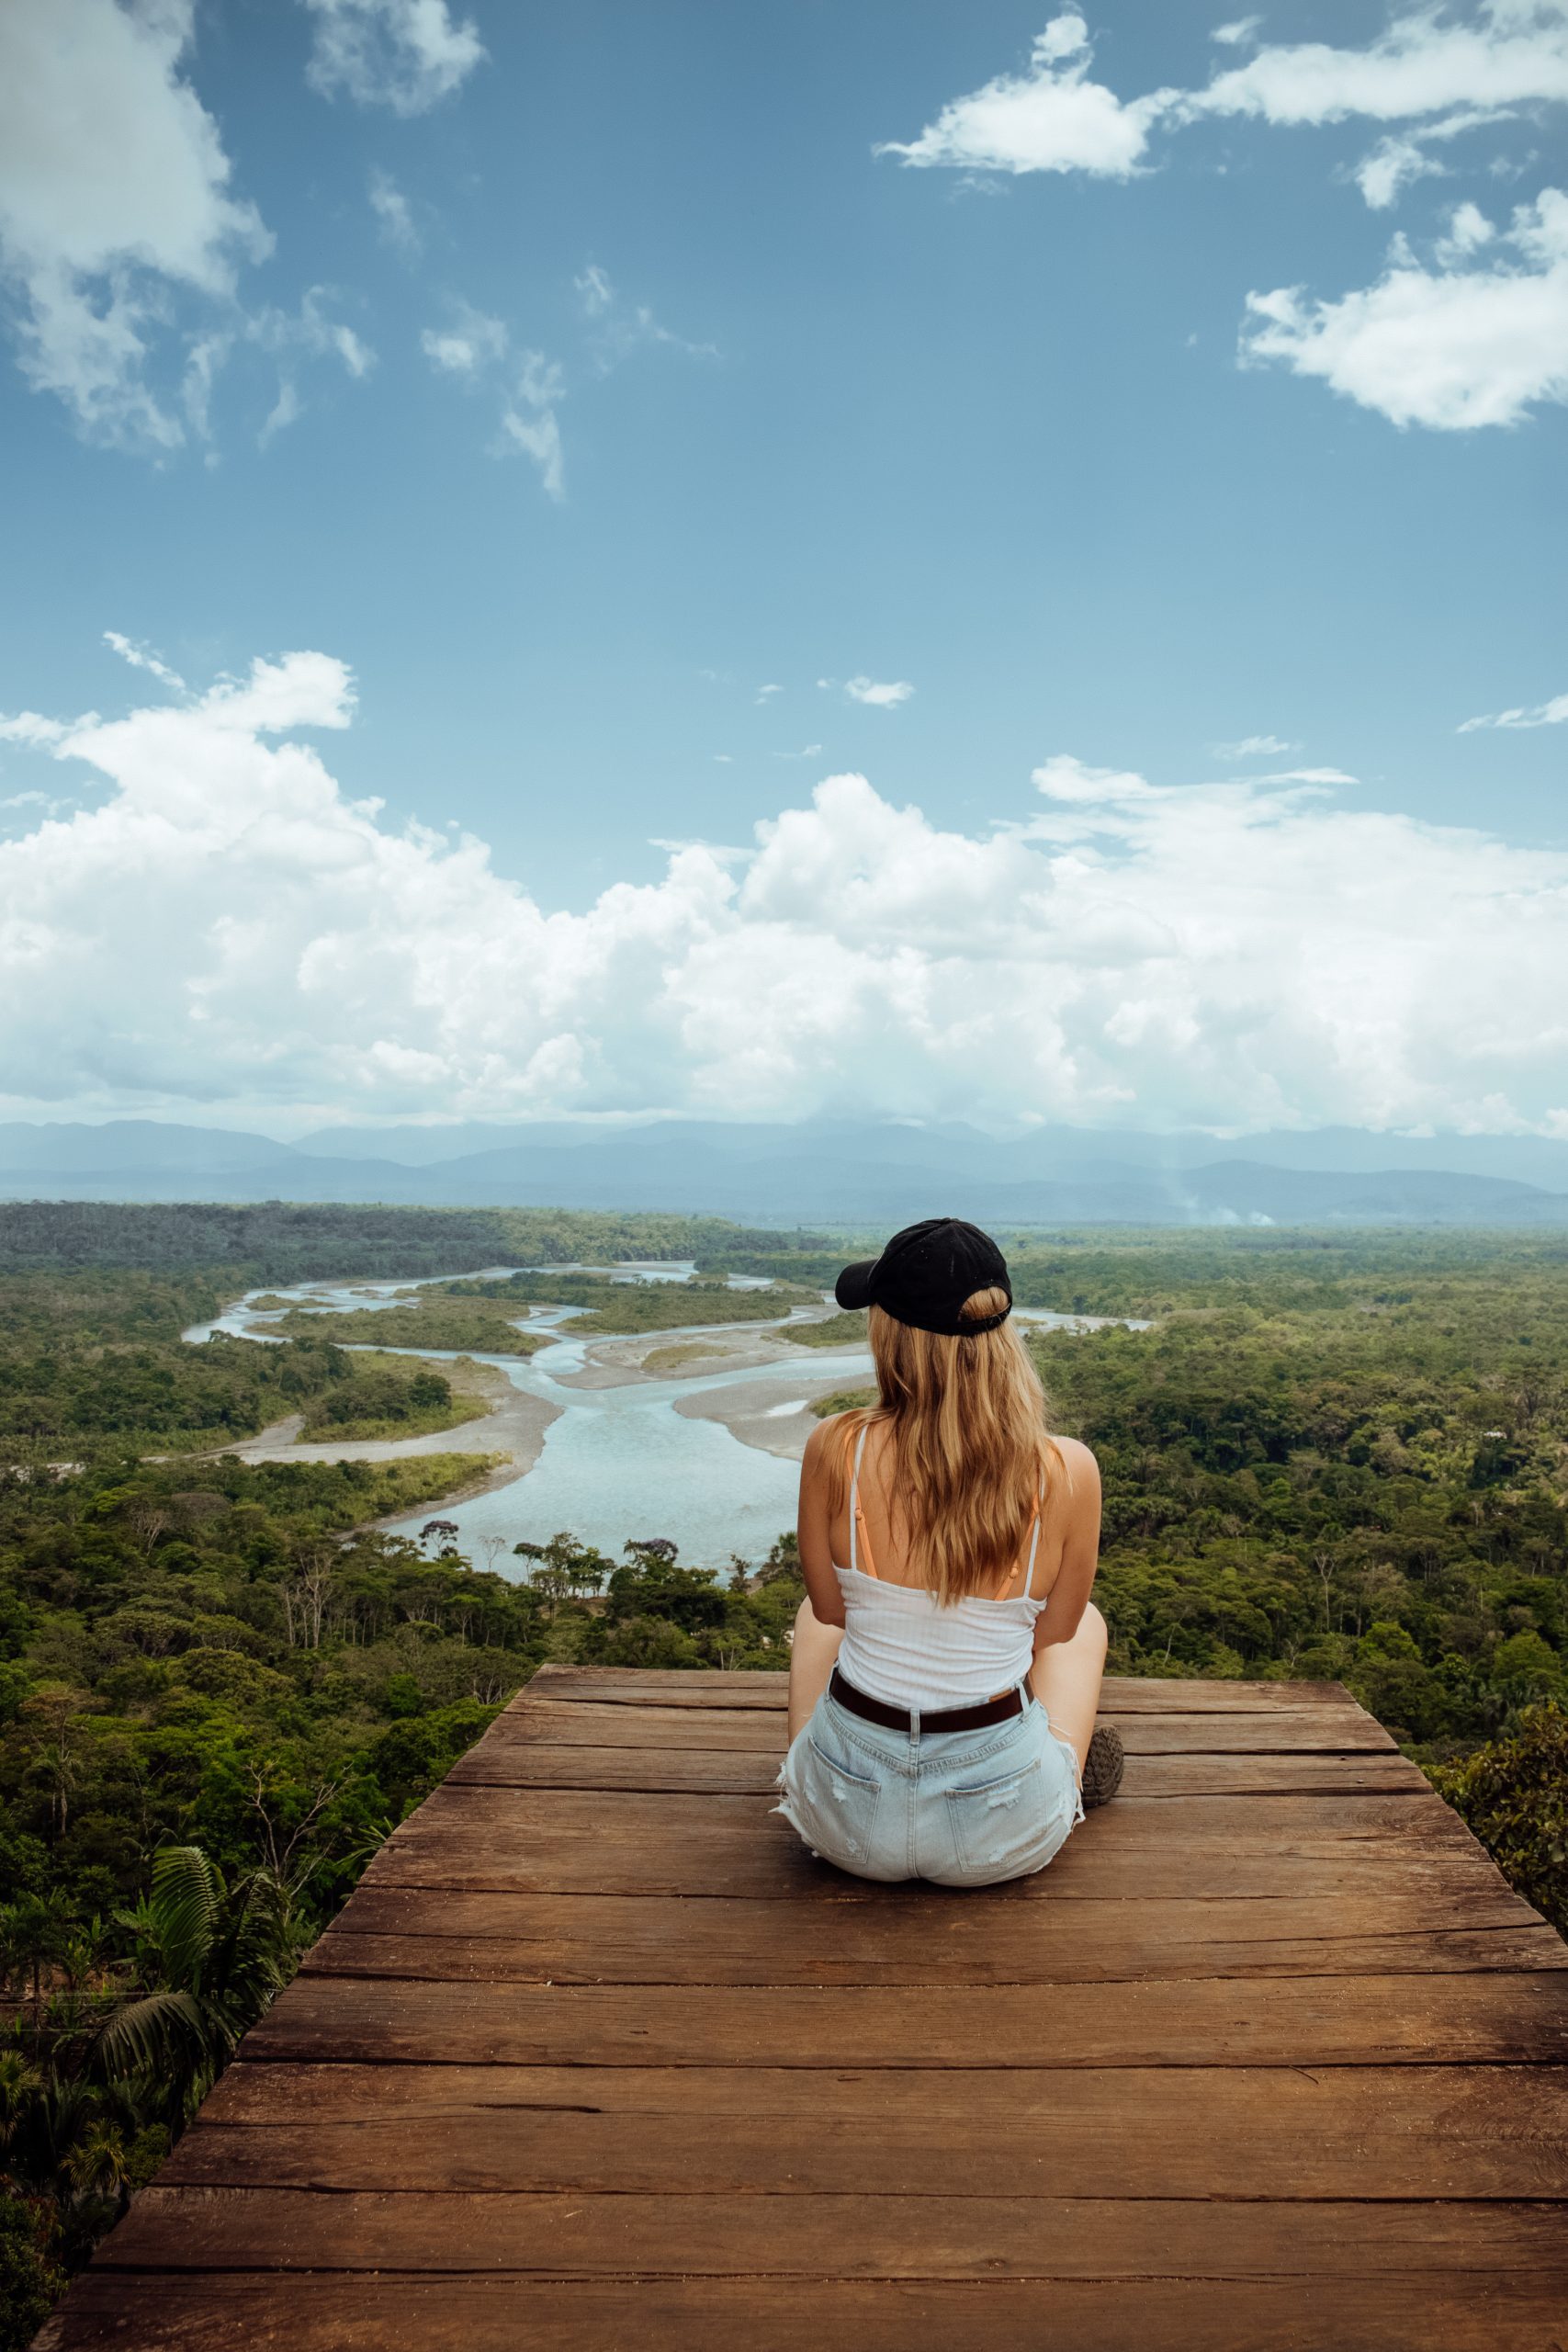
[1102,1767]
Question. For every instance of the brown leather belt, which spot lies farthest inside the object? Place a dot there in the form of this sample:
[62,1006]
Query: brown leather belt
[875,1711]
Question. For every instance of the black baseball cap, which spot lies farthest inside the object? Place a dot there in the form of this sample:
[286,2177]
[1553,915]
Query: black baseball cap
[925,1274]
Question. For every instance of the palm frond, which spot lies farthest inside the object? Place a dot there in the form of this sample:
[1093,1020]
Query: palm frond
[187,1892]
[160,2033]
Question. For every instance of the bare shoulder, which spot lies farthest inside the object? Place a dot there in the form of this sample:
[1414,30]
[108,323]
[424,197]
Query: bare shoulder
[1082,1481]
[819,1445]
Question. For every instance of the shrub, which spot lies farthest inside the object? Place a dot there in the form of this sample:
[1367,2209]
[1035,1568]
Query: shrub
[1514,1794]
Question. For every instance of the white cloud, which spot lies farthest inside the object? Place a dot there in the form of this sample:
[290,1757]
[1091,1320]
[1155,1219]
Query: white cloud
[394,212]
[285,410]
[1050,118]
[291,337]
[529,422]
[1236,955]
[141,657]
[766,694]
[880,694]
[471,343]
[474,349]
[1394,163]
[1453,347]
[114,198]
[1306,775]
[406,54]
[618,327]
[1053,118]
[1482,345]
[1542,714]
[1514,52]
[1253,747]
[1390,167]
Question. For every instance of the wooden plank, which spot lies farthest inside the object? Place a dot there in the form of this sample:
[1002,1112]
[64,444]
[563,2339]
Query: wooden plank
[753,1732]
[1266,1821]
[644,1687]
[574,1865]
[501,1938]
[564,1841]
[762,1731]
[986,2236]
[1285,2133]
[337,2311]
[535,1764]
[379,2028]
[1211,1775]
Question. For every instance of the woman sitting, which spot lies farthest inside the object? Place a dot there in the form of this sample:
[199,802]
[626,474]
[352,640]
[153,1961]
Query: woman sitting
[946,1666]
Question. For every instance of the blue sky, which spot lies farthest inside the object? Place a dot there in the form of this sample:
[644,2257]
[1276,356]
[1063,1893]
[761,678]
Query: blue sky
[586,383]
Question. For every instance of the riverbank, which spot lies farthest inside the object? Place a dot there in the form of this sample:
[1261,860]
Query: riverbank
[511,1432]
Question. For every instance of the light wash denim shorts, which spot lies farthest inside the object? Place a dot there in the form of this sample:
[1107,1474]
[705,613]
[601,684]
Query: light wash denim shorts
[964,1808]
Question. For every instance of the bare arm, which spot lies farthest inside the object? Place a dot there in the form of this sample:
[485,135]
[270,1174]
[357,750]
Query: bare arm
[1081,1549]
[813,1529]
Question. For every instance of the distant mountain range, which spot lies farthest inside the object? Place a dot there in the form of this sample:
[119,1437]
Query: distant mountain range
[822,1172]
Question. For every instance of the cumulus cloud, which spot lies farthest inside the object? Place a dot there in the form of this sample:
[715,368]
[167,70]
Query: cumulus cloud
[1481,350]
[1463,344]
[880,694]
[405,54]
[1542,714]
[224,928]
[1514,52]
[1051,117]
[115,198]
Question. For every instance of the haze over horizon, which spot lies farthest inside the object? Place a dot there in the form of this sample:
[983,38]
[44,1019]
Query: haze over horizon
[997,569]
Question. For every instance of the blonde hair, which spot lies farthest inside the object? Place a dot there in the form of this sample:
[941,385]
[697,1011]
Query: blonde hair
[969,1445]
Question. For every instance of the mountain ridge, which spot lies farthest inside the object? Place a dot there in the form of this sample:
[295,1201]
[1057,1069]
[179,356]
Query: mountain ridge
[828,1170]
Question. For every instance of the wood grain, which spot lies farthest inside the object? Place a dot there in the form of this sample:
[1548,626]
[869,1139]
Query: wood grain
[540,1764]
[983,2235]
[384,2027]
[337,2311]
[1278,2132]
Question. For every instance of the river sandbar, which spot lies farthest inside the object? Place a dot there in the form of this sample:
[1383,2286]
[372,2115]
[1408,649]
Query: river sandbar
[753,1414]
[513,1429]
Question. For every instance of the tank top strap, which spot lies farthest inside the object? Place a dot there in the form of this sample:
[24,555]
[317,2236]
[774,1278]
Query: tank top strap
[860,1542]
[1034,1539]
[1012,1578]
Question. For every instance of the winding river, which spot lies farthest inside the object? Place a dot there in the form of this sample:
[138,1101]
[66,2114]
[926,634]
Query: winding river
[618,1461]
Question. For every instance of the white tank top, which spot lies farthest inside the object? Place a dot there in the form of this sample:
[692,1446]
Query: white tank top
[901,1645]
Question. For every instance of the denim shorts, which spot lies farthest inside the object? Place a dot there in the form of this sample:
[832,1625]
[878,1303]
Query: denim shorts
[963,1808]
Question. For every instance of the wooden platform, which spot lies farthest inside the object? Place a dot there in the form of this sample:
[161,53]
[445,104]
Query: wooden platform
[599,2057]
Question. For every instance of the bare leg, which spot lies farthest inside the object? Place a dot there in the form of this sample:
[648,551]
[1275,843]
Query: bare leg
[1066,1675]
[812,1656]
